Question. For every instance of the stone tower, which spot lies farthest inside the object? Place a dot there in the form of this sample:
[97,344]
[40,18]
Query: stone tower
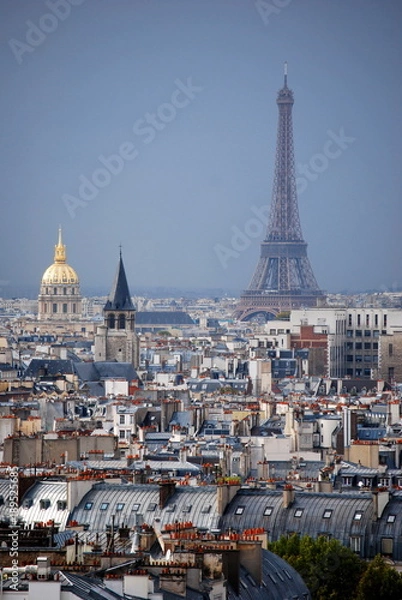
[116,339]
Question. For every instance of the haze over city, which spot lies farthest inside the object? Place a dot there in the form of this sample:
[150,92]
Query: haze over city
[184,94]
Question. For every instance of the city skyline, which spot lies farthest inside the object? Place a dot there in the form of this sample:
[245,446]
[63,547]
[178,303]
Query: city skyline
[153,125]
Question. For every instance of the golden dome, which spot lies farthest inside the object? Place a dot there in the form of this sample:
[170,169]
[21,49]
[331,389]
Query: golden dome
[60,272]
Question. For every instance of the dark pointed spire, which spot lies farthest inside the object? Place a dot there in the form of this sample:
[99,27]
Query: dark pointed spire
[119,298]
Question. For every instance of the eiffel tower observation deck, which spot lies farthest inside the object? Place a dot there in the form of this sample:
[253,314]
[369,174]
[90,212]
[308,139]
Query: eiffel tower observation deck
[283,278]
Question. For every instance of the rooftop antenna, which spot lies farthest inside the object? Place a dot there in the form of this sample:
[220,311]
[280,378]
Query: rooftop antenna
[285,73]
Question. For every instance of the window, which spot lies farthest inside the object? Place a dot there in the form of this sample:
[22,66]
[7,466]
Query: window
[385,320]
[367,358]
[171,508]
[187,508]
[355,543]
[358,333]
[64,308]
[88,506]
[206,509]
[65,291]
[358,346]
[375,345]
[358,515]
[367,320]
[387,545]
[391,518]
[239,510]
[376,320]
[268,511]
[152,507]
[122,434]
[54,307]
[136,507]
[327,514]
[359,358]
[349,358]
[104,505]
[376,333]
[358,320]
[54,291]
[45,308]
[390,349]
[349,320]
[349,345]
[298,513]
[120,506]
[111,322]
[122,322]
[367,345]
[74,308]
[391,372]
[122,419]
[61,505]
[44,503]
[349,333]
[367,333]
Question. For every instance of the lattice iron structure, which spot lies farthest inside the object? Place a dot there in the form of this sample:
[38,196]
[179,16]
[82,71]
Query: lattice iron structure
[283,278]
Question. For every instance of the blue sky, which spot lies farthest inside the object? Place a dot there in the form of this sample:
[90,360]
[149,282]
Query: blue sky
[185,92]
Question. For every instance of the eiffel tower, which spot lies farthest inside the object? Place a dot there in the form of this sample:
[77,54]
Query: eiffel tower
[283,278]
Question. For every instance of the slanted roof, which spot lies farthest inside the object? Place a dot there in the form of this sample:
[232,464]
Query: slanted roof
[100,370]
[163,317]
[40,367]
[279,580]
[119,298]
[86,588]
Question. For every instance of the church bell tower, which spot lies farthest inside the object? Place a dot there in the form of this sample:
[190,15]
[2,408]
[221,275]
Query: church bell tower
[116,339]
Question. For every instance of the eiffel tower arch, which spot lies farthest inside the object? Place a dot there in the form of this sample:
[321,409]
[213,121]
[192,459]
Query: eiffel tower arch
[283,278]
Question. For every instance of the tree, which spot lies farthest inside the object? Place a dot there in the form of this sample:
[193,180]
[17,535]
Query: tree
[327,568]
[380,582]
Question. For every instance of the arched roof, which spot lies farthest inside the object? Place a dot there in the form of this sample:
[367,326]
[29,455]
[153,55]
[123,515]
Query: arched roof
[335,514]
[279,581]
[127,501]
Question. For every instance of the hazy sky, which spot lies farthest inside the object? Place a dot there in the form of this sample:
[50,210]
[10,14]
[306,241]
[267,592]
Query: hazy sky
[185,92]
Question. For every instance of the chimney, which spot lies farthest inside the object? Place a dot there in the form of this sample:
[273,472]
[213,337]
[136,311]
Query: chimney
[288,496]
[225,494]
[166,491]
[380,501]
[251,559]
